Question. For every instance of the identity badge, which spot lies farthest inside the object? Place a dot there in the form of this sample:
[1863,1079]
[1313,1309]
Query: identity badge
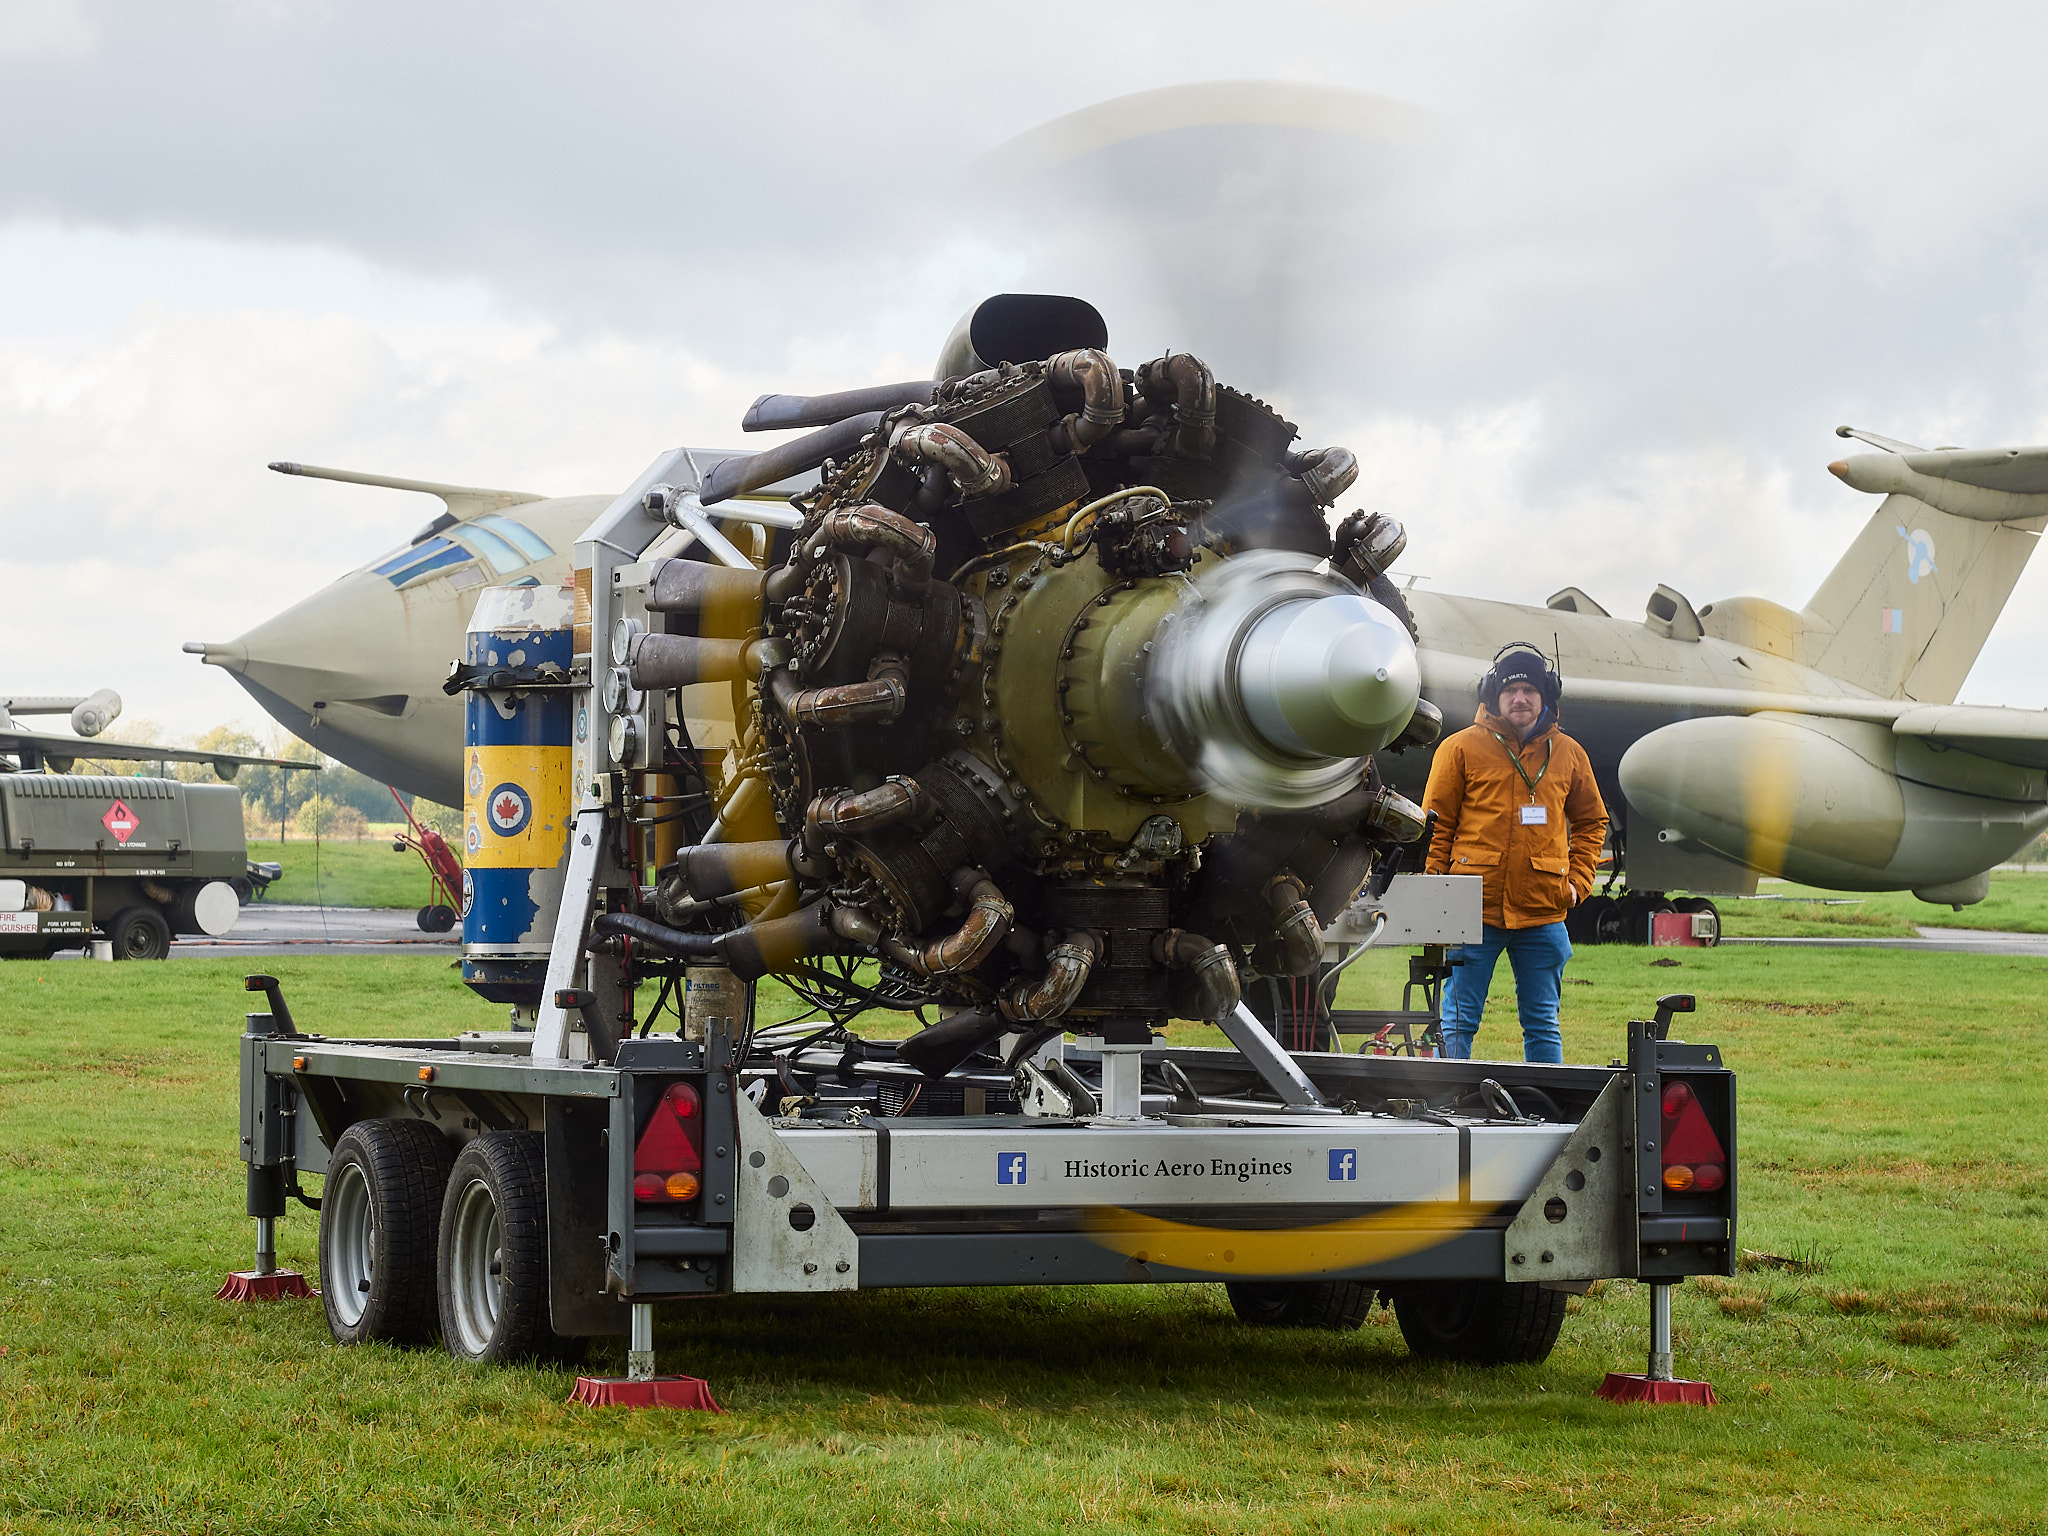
[1535,815]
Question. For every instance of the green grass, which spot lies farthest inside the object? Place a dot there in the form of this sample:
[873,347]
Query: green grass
[2018,903]
[1894,1129]
[344,874]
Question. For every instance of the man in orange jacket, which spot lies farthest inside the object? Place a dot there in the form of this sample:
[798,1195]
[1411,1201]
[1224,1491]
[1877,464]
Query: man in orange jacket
[1515,804]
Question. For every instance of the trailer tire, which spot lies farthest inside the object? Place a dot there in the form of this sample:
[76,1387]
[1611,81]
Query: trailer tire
[380,1220]
[140,933]
[1339,1305]
[1482,1322]
[494,1253]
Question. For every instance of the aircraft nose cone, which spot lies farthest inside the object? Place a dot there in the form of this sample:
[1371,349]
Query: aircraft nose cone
[354,670]
[231,654]
[1335,677]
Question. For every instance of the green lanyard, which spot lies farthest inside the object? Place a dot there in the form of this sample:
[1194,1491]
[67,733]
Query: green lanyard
[1515,757]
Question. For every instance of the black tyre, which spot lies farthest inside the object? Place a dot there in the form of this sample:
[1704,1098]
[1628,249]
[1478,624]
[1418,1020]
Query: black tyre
[436,919]
[1339,1305]
[1484,1322]
[1700,904]
[494,1252]
[1582,923]
[140,933]
[244,889]
[380,1218]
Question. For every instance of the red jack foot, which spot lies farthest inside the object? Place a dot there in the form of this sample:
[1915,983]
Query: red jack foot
[1618,1388]
[253,1285]
[661,1392]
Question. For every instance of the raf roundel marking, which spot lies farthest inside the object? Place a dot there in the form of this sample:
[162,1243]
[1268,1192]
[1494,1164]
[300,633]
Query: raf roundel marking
[1919,554]
[468,892]
[510,809]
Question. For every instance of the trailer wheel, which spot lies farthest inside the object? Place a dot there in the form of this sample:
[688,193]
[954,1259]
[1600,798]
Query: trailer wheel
[140,933]
[436,918]
[380,1214]
[1339,1305]
[494,1252]
[1485,1322]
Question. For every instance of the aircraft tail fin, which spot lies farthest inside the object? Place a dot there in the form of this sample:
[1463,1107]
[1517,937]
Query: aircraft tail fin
[462,501]
[1908,607]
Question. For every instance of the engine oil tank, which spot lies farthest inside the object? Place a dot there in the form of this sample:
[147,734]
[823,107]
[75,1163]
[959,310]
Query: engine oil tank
[515,788]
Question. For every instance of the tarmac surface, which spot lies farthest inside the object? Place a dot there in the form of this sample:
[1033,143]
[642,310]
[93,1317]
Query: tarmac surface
[264,929]
[1949,941]
[267,929]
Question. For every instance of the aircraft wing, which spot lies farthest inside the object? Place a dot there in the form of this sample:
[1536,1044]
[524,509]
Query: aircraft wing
[2018,736]
[2005,735]
[73,748]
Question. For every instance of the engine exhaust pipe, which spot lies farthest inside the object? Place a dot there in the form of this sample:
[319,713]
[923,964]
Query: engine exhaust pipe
[736,477]
[674,661]
[711,870]
[773,944]
[778,413]
[725,601]
[937,1050]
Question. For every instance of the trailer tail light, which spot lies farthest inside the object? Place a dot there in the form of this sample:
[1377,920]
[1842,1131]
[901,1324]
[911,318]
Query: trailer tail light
[1695,1162]
[670,1154]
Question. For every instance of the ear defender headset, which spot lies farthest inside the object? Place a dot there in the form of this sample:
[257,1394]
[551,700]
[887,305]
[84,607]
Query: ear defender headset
[1519,661]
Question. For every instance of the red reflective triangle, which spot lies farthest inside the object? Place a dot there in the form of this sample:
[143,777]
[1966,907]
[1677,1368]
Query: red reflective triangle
[665,1146]
[1690,1139]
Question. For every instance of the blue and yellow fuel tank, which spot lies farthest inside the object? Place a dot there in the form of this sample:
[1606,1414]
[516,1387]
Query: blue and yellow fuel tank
[516,799]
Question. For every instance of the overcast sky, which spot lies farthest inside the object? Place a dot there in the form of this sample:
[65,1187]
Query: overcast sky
[1588,308]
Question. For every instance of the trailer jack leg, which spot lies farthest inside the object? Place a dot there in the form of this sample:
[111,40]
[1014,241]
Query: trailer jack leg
[266,1282]
[1657,1385]
[640,1387]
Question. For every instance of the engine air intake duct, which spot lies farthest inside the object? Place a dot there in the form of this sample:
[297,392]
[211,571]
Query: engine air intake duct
[1017,327]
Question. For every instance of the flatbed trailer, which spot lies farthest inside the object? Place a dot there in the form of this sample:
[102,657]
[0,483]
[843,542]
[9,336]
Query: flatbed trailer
[1438,1185]
[518,1191]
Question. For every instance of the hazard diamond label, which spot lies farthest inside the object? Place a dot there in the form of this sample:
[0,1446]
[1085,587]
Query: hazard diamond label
[121,821]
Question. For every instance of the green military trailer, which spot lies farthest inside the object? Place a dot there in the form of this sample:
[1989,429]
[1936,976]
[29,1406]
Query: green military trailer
[132,861]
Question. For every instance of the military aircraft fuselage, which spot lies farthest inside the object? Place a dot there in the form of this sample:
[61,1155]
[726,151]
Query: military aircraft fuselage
[1843,803]
[356,669]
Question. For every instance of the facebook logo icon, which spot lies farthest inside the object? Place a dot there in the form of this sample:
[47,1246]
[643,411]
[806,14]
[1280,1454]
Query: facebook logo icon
[1009,1167]
[1344,1162]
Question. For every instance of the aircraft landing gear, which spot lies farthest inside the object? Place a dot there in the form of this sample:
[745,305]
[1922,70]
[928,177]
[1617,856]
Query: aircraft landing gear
[1626,919]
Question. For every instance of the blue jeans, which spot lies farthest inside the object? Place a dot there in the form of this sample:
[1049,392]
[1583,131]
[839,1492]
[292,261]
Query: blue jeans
[1538,956]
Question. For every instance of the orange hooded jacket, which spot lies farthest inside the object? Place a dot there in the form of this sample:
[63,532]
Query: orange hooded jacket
[1478,795]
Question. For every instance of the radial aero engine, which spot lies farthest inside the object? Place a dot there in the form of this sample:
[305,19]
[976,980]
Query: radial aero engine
[1061,703]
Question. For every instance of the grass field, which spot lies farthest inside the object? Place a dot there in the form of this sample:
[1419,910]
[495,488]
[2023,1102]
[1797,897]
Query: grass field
[2018,904]
[1894,1134]
[344,874]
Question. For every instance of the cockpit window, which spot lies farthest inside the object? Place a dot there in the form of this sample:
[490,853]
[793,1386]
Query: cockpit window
[503,556]
[505,544]
[422,559]
[515,533]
